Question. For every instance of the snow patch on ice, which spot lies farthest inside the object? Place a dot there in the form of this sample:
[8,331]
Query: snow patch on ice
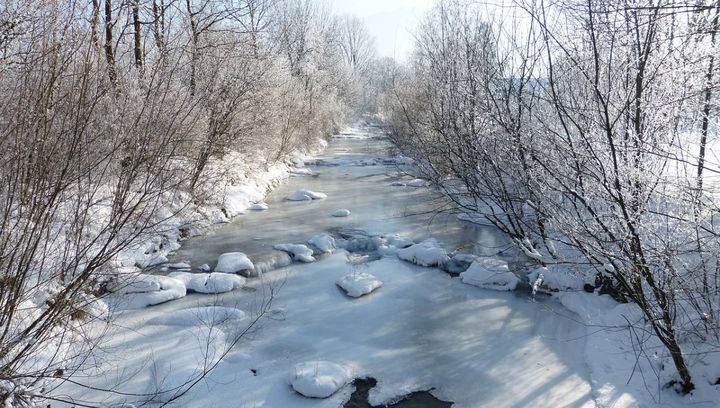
[359,283]
[306,195]
[341,213]
[324,243]
[298,252]
[418,183]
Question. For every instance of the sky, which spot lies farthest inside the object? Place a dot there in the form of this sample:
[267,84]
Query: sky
[391,22]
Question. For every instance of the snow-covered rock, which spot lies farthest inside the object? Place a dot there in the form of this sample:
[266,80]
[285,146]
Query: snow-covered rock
[324,243]
[490,273]
[179,265]
[398,241]
[306,195]
[205,268]
[398,184]
[319,379]
[235,262]
[200,315]
[216,282]
[359,283]
[426,253]
[417,183]
[298,252]
[261,206]
[341,213]
[459,263]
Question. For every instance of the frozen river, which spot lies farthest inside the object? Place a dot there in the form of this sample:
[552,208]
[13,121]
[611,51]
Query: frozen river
[352,174]
[423,330]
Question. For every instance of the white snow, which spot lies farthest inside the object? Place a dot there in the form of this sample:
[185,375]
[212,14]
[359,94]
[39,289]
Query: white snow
[341,213]
[260,206]
[298,252]
[319,379]
[359,283]
[555,277]
[323,242]
[215,282]
[205,315]
[418,183]
[306,195]
[233,262]
[426,253]
[152,260]
[490,273]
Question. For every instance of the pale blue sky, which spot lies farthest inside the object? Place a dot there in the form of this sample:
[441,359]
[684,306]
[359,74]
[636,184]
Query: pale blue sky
[391,22]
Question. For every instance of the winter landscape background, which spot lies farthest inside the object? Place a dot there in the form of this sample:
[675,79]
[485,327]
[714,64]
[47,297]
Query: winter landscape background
[301,203]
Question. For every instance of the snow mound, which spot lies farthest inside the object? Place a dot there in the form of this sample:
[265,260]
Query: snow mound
[490,273]
[306,195]
[216,282]
[359,283]
[418,183]
[234,262]
[201,315]
[341,213]
[319,379]
[298,252]
[168,289]
[324,243]
[426,253]
[261,206]
[398,184]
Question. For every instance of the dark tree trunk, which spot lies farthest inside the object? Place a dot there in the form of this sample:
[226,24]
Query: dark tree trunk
[137,35]
[109,53]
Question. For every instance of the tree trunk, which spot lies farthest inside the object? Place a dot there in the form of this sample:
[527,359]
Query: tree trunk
[137,35]
[109,53]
